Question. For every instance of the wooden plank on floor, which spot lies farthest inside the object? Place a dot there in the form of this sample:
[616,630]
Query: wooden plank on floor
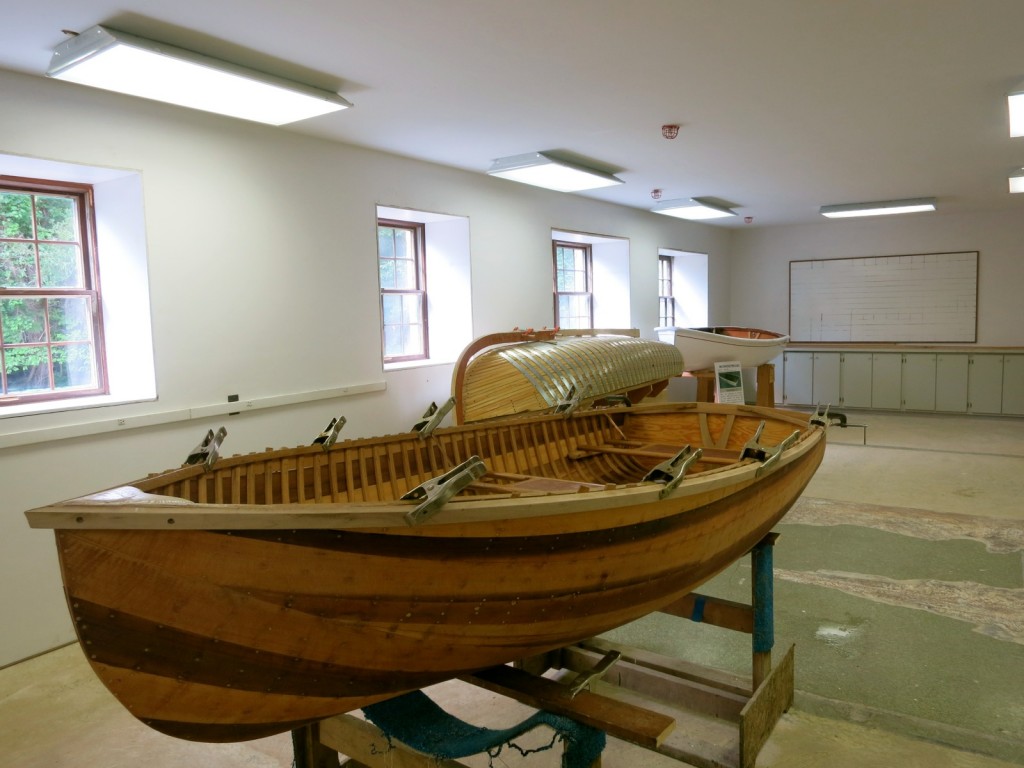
[663,686]
[725,681]
[628,722]
[698,740]
[770,700]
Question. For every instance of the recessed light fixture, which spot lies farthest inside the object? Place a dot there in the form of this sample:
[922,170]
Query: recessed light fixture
[694,209]
[116,61]
[542,169]
[883,208]
[1016,180]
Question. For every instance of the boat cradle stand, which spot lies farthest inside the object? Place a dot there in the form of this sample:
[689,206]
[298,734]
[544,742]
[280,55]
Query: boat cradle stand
[699,716]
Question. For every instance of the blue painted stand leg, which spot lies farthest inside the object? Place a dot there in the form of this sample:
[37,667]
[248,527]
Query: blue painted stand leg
[763,637]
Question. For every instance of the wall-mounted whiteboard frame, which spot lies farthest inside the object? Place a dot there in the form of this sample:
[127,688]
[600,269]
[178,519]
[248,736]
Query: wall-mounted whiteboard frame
[923,297]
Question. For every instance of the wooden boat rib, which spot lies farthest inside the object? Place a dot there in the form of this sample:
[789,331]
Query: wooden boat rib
[529,371]
[277,589]
[703,347]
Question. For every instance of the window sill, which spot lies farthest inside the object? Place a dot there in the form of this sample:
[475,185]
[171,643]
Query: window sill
[390,367]
[75,404]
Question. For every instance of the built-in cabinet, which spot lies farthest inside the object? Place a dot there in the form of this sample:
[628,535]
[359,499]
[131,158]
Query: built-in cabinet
[951,383]
[857,379]
[944,382]
[1013,384]
[918,382]
[886,379]
[827,370]
[985,385]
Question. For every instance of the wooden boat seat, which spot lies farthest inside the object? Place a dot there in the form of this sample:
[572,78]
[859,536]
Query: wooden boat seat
[652,451]
[510,482]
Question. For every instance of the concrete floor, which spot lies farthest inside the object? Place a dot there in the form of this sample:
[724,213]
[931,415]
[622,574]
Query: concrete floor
[899,577]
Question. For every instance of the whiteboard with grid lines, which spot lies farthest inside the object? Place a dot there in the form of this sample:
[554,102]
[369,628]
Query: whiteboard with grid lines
[928,297]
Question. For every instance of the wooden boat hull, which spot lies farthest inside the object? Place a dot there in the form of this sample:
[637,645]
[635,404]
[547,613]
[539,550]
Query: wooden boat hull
[212,632]
[703,347]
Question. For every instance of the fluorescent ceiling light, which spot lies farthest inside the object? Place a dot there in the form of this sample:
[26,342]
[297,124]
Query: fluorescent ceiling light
[1015,100]
[694,209]
[884,208]
[115,61]
[1017,180]
[543,170]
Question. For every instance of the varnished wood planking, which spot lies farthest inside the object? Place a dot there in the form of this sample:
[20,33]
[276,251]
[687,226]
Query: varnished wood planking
[350,615]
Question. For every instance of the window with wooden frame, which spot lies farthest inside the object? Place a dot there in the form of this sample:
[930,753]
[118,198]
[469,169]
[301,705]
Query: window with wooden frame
[666,300]
[574,295]
[403,289]
[51,335]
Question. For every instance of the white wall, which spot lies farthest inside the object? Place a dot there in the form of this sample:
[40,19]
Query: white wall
[759,286]
[262,265]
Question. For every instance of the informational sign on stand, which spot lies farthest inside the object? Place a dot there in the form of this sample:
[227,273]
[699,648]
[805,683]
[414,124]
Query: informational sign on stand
[729,383]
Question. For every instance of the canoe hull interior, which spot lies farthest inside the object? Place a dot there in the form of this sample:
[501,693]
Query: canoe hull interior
[229,635]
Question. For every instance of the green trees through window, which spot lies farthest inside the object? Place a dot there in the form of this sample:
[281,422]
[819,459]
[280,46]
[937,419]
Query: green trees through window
[50,338]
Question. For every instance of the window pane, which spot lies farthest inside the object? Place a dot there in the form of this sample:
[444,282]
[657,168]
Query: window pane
[397,259]
[581,281]
[403,325]
[666,314]
[404,248]
[17,265]
[387,274]
[28,369]
[60,266]
[413,340]
[405,274]
[392,341]
[403,340]
[23,321]
[55,218]
[15,215]
[386,242]
[574,311]
[571,269]
[412,309]
[392,307]
[73,366]
[70,319]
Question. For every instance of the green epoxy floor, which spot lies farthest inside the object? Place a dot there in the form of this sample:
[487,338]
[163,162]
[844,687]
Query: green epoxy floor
[899,577]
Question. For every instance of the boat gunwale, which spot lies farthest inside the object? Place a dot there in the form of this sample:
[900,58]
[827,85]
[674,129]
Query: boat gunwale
[154,514]
[724,339]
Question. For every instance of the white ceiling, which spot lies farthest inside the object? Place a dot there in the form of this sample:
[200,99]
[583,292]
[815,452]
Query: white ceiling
[784,105]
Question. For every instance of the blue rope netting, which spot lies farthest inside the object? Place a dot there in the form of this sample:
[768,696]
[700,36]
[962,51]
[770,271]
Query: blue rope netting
[415,720]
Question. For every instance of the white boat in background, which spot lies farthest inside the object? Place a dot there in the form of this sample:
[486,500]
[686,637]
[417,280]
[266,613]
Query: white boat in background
[703,347]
